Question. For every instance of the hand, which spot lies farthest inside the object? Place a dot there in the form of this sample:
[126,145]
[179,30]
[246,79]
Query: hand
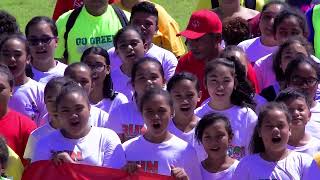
[131,167]
[61,158]
[178,173]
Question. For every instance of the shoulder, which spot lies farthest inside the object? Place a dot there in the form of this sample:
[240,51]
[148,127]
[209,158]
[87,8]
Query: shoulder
[20,118]
[159,52]
[246,43]
[121,97]
[260,62]
[132,143]
[64,17]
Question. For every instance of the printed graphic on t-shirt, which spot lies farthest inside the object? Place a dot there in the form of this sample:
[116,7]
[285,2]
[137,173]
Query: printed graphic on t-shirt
[33,109]
[75,156]
[132,130]
[148,166]
[236,152]
[83,43]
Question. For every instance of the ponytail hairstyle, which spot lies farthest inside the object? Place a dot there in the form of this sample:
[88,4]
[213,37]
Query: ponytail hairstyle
[256,144]
[108,91]
[243,92]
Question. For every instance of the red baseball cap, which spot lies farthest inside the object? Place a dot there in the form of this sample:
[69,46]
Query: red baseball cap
[202,22]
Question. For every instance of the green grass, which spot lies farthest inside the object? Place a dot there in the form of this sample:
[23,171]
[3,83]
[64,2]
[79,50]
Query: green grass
[24,10]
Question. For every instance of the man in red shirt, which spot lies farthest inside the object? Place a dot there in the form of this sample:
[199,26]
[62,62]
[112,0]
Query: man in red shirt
[203,39]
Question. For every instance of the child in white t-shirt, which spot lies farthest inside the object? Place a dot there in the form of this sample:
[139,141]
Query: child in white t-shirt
[215,134]
[230,94]
[42,33]
[77,141]
[159,151]
[299,106]
[27,96]
[126,120]
[271,159]
[51,123]
[102,94]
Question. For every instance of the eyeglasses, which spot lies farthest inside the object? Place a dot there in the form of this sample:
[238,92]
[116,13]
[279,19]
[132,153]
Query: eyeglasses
[97,67]
[44,41]
[299,81]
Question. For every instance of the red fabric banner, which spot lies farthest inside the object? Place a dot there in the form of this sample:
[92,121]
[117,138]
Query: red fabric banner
[46,170]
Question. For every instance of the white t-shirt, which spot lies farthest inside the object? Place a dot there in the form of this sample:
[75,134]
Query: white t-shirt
[45,77]
[260,101]
[222,175]
[294,166]
[157,158]
[264,72]
[126,119]
[108,105]
[311,148]
[243,121]
[98,117]
[255,49]
[28,99]
[313,126]
[100,147]
[34,137]
[122,83]
[166,58]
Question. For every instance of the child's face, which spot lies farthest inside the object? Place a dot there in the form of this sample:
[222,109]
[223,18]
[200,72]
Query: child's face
[50,100]
[267,20]
[130,47]
[288,28]
[156,113]
[82,76]
[304,77]
[147,23]
[5,91]
[220,83]
[289,53]
[99,68]
[14,55]
[42,43]
[74,114]
[300,112]
[215,140]
[275,130]
[185,98]
[203,47]
[148,75]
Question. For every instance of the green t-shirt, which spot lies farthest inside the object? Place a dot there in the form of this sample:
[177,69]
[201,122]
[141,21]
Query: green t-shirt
[87,31]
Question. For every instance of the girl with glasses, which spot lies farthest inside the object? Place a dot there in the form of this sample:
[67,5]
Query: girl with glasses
[42,35]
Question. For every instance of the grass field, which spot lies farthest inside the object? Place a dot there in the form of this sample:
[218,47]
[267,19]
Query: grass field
[24,10]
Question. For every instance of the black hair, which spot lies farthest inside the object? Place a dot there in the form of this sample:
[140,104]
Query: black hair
[108,91]
[243,93]
[68,88]
[37,20]
[278,55]
[69,70]
[292,94]
[235,30]
[275,2]
[152,92]
[209,119]
[256,144]
[56,84]
[287,13]
[183,76]
[120,32]
[4,70]
[144,7]
[144,60]
[8,24]
[4,152]
[21,38]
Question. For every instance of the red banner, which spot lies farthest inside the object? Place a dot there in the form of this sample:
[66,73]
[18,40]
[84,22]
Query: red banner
[46,170]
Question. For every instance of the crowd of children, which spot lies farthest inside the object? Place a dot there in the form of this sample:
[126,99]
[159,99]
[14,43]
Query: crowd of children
[135,107]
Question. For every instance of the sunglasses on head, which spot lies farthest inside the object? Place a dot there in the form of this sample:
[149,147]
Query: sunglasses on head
[37,41]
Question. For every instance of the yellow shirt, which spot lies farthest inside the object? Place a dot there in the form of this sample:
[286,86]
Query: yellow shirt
[206,4]
[15,168]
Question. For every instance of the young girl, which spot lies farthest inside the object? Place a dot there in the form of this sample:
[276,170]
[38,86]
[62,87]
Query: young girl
[126,120]
[271,158]
[4,158]
[129,47]
[102,95]
[159,151]
[81,73]
[42,35]
[288,23]
[299,106]
[51,92]
[302,73]
[287,51]
[27,95]
[77,141]
[215,134]
[230,95]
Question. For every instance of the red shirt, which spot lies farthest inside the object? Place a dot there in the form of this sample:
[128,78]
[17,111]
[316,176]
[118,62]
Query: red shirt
[16,128]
